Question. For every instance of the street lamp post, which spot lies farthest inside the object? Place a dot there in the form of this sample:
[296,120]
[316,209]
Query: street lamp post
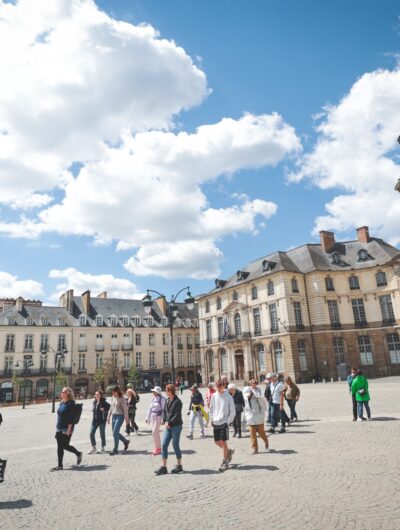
[28,363]
[172,312]
[58,355]
[397,187]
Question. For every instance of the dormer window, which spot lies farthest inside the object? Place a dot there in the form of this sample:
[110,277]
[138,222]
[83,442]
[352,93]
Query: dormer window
[149,321]
[82,320]
[220,283]
[164,322]
[136,321]
[178,323]
[335,258]
[241,275]
[195,323]
[113,320]
[188,323]
[268,265]
[99,320]
[11,321]
[363,255]
[61,321]
[125,321]
[44,321]
[29,321]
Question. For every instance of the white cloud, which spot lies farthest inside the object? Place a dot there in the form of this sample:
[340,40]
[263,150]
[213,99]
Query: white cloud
[77,77]
[355,152]
[81,281]
[12,287]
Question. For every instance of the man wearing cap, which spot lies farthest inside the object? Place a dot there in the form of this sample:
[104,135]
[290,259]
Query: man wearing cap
[222,412]
[196,403]
[239,405]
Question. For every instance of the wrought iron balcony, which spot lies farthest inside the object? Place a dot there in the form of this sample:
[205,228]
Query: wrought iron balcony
[114,347]
[82,347]
[99,347]
[128,346]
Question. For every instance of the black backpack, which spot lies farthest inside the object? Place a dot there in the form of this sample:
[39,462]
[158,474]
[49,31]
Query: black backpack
[76,413]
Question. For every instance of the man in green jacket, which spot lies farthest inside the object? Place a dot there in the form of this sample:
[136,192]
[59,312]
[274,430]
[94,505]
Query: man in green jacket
[359,389]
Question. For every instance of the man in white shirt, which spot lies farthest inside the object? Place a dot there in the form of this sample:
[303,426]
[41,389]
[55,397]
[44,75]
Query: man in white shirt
[277,404]
[222,413]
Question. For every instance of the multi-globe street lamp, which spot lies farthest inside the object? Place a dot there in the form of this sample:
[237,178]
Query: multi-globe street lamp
[172,313]
[59,354]
[27,363]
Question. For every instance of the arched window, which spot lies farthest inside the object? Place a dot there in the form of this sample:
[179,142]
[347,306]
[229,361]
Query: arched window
[261,357]
[238,325]
[42,388]
[278,357]
[224,361]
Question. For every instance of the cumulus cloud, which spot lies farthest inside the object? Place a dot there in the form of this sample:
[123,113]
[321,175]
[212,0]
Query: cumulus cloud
[356,152]
[12,287]
[81,281]
[75,78]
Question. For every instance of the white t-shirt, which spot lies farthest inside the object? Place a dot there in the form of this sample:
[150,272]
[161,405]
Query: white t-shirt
[222,408]
[276,391]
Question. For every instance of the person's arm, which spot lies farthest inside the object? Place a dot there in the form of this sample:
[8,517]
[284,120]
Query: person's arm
[232,409]
[282,397]
[125,409]
[175,411]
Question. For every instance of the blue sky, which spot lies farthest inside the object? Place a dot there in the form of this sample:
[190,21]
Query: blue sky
[329,70]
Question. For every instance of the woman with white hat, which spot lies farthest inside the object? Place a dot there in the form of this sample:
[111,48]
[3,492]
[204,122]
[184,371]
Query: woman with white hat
[155,416]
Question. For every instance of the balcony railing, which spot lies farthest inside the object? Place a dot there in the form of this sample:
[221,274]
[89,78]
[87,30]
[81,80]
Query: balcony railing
[114,347]
[127,346]
[274,329]
[99,347]
[152,366]
[209,340]
[82,347]
[197,345]
[9,349]
[82,370]
[180,346]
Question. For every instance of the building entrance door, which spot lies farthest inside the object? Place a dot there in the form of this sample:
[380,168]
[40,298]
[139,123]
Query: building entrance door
[239,366]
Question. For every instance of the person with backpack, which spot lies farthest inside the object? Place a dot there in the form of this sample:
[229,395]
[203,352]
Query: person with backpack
[359,389]
[132,401]
[155,416]
[118,412]
[99,420]
[67,416]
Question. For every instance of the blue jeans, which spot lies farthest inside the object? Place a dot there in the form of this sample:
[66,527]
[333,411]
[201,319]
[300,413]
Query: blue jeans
[360,408]
[102,429]
[117,421]
[292,406]
[173,433]
[277,416]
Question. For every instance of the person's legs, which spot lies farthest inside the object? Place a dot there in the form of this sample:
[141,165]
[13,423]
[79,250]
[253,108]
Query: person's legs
[225,449]
[176,434]
[66,440]
[235,424]
[192,419]
[354,403]
[292,406]
[167,437]
[93,430]
[60,449]
[117,421]
[102,429]
[270,411]
[133,423]
[253,437]
[366,405]
[156,433]
[200,418]
[360,409]
[274,416]
[261,432]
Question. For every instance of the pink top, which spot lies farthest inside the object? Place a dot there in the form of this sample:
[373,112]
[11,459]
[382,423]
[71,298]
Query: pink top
[209,394]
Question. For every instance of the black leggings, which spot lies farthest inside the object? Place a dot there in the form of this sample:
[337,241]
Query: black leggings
[132,415]
[63,445]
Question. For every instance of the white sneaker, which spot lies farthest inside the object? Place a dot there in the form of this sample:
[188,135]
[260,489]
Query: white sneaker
[102,450]
[92,451]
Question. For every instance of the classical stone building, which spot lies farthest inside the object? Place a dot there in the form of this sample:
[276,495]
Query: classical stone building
[311,312]
[94,332]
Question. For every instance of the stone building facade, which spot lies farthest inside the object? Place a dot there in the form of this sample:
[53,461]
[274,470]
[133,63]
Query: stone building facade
[311,312]
[94,332]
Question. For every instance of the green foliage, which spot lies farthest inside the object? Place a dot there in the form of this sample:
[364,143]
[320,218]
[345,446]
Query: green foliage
[134,376]
[99,377]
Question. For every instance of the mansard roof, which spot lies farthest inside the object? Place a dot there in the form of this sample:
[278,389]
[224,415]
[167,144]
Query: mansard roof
[36,313]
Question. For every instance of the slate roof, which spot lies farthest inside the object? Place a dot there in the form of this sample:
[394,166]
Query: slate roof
[35,313]
[312,257]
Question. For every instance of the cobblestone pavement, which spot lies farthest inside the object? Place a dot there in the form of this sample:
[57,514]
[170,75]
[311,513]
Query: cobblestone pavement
[325,472]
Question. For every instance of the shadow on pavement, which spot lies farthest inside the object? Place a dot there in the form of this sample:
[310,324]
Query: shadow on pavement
[131,452]
[187,452]
[15,505]
[384,418]
[99,467]
[283,451]
[253,467]
[202,472]
[299,432]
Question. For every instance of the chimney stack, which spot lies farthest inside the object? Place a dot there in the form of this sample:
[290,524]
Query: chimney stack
[86,302]
[102,295]
[363,234]
[327,240]
[19,303]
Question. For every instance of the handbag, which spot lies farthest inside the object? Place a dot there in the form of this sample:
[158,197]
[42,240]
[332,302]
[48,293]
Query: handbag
[362,391]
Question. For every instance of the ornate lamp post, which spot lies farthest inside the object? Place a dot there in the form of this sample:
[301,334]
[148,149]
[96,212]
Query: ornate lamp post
[59,354]
[28,363]
[172,312]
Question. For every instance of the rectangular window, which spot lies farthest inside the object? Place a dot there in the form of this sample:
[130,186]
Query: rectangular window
[152,339]
[257,321]
[44,342]
[138,339]
[28,343]
[270,288]
[114,341]
[138,359]
[387,309]
[189,341]
[152,359]
[334,313]
[380,279]
[338,350]
[364,347]
[190,358]
[82,362]
[301,345]
[179,341]
[207,306]
[8,365]
[62,343]
[219,303]
[10,343]
[197,341]
[208,331]
[165,339]
[127,360]
[166,358]
[354,283]
[99,361]
[360,319]
[254,294]
[297,315]
[43,363]
[127,339]
[198,359]
[393,340]
[273,317]
[114,360]
[220,323]
[180,358]
[329,285]
[295,287]
[261,357]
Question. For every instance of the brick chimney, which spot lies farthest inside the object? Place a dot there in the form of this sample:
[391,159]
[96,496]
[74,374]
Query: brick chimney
[102,295]
[327,240]
[162,304]
[67,300]
[363,234]
[86,302]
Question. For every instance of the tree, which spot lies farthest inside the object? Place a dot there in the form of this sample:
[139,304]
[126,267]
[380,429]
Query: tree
[17,382]
[99,377]
[134,376]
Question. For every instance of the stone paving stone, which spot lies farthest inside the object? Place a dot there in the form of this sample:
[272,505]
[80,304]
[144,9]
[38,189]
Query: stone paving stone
[325,472]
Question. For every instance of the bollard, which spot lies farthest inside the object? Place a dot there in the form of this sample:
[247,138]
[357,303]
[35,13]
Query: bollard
[323,380]
[313,381]
[331,379]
